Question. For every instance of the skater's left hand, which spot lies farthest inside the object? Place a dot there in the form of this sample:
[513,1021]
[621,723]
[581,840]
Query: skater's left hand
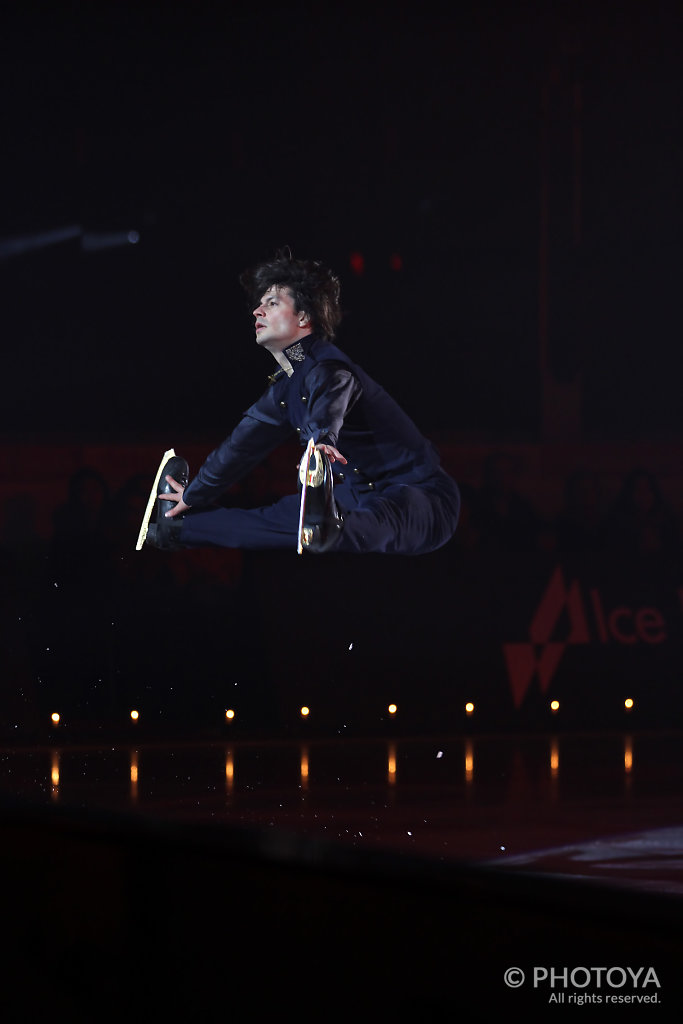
[175,495]
[332,453]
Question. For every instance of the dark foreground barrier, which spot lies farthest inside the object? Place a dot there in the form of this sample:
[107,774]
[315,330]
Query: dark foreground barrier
[119,917]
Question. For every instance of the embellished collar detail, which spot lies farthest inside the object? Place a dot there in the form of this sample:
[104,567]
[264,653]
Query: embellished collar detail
[296,353]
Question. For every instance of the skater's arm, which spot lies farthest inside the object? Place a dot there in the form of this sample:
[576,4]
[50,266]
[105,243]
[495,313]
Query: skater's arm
[333,390]
[254,438]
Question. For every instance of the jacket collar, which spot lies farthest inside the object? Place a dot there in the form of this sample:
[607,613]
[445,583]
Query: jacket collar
[290,357]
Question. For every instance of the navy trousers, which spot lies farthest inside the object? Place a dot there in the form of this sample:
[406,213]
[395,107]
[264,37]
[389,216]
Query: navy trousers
[401,519]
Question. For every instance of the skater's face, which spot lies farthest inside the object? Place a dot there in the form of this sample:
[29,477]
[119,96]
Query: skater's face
[278,325]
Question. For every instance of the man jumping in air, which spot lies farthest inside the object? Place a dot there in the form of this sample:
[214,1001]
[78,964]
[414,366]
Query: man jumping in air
[368,480]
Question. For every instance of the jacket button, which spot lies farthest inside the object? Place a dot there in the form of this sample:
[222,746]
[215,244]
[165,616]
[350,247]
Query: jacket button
[298,430]
[356,470]
[371,487]
[283,404]
[303,398]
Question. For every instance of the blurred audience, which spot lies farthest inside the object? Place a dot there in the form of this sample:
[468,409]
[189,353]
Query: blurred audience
[19,531]
[21,556]
[580,526]
[86,615]
[502,519]
[640,521]
[80,547]
[126,510]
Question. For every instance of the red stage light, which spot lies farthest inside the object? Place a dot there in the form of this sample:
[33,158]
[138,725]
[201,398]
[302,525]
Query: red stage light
[357,263]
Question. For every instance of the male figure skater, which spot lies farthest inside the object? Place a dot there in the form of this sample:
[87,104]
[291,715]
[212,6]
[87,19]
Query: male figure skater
[369,480]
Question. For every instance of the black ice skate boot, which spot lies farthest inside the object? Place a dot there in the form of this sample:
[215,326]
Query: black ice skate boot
[320,523]
[156,529]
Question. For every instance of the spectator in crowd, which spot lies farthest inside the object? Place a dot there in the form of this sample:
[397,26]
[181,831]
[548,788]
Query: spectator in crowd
[640,521]
[79,541]
[580,525]
[503,519]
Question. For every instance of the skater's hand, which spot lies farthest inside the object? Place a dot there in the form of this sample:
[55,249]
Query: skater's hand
[180,506]
[332,453]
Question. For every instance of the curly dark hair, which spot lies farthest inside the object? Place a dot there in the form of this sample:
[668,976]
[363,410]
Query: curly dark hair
[314,288]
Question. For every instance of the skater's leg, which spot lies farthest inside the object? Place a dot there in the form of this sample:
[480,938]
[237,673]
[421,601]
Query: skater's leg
[260,529]
[402,520]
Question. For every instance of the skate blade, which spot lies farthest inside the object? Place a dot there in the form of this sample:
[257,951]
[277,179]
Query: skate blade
[305,478]
[312,469]
[152,499]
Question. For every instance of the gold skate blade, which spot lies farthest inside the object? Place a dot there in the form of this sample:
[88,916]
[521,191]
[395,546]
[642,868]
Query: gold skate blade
[311,468]
[152,499]
[304,477]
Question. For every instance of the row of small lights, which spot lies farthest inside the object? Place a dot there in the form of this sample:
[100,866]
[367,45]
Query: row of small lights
[392,709]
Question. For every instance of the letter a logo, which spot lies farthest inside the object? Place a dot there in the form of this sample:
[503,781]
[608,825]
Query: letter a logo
[543,654]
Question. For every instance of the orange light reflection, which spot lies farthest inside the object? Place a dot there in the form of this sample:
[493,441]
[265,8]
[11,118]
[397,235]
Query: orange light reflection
[54,773]
[391,764]
[554,758]
[133,774]
[469,761]
[229,770]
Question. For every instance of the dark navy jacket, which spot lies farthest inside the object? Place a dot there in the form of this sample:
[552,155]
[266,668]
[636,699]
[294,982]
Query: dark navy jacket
[330,399]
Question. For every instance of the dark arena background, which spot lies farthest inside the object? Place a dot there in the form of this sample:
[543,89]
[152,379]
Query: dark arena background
[245,783]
